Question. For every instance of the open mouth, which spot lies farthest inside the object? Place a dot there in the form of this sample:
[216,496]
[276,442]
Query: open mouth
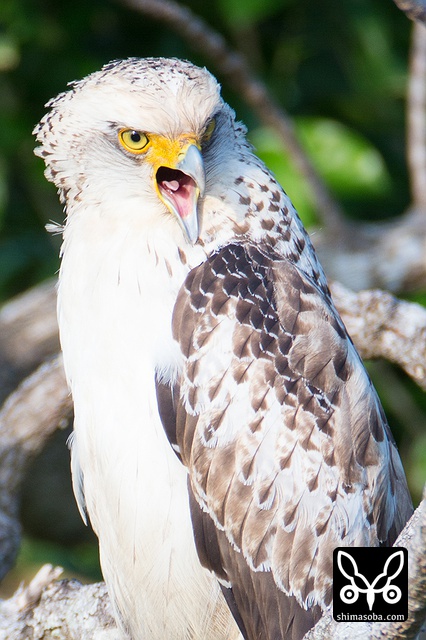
[178,189]
[180,186]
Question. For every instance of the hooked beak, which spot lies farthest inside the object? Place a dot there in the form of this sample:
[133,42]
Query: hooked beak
[180,186]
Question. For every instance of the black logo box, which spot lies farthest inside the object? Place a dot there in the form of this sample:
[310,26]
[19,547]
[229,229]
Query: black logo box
[358,568]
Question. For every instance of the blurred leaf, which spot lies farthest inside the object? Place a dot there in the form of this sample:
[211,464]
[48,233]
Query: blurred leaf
[9,53]
[346,160]
[376,64]
[249,11]
[349,164]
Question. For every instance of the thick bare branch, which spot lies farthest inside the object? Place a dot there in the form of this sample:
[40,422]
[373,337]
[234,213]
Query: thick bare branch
[65,610]
[384,327]
[386,255]
[28,334]
[28,417]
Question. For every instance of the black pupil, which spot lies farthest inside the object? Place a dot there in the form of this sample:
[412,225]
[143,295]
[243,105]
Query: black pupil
[136,137]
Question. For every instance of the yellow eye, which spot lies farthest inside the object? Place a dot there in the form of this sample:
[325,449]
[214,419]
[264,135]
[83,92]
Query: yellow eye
[134,141]
[209,130]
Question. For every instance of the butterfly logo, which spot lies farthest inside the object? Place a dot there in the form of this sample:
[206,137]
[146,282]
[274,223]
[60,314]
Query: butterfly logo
[359,584]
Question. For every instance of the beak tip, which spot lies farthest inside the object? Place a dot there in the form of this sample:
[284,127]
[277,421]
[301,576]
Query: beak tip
[190,228]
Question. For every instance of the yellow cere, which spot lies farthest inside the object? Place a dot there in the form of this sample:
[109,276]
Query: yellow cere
[163,150]
[160,149]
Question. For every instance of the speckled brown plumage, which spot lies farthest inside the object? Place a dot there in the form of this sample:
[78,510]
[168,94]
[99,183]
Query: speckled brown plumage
[288,449]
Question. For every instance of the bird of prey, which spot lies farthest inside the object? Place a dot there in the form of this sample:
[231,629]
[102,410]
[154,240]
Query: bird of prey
[226,432]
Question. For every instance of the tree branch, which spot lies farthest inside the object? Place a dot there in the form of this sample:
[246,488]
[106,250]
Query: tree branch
[382,326]
[28,334]
[65,610]
[28,417]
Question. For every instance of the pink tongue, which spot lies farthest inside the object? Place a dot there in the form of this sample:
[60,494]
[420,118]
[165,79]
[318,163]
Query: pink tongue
[173,185]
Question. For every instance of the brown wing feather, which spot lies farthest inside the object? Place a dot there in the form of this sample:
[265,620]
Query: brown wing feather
[288,451]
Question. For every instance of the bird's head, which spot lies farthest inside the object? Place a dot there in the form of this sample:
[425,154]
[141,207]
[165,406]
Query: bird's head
[139,137]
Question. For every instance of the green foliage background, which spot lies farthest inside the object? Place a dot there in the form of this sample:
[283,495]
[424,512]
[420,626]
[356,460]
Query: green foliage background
[338,66]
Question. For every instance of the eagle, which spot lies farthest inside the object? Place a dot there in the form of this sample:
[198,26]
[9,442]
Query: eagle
[227,437]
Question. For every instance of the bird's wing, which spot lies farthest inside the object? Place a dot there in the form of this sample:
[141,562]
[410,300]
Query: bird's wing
[288,451]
